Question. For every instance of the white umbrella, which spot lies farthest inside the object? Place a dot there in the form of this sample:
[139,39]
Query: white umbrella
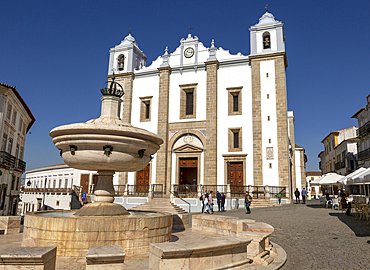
[361,177]
[348,177]
[330,178]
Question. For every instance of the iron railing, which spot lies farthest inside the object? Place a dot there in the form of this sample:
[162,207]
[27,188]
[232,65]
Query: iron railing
[186,190]
[339,165]
[275,190]
[214,188]
[238,191]
[364,154]
[48,190]
[364,129]
[9,161]
[157,190]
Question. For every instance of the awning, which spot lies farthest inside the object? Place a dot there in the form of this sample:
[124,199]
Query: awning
[327,179]
[348,177]
[362,177]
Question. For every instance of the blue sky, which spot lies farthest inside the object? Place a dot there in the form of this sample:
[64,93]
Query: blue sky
[56,54]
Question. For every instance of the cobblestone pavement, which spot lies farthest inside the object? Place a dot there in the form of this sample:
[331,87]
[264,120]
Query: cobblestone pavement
[315,237]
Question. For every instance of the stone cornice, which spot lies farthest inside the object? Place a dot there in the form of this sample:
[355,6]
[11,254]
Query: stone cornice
[122,75]
[164,68]
[211,63]
[269,55]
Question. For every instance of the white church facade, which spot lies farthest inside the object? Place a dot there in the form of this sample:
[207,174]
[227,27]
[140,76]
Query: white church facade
[223,117]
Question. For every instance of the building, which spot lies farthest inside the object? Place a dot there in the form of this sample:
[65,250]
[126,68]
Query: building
[313,191]
[363,145]
[16,119]
[223,117]
[61,185]
[340,152]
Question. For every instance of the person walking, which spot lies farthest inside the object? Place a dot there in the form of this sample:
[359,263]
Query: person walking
[296,194]
[223,199]
[218,197]
[279,197]
[205,204]
[201,198]
[210,202]
[247,202]
[304,195]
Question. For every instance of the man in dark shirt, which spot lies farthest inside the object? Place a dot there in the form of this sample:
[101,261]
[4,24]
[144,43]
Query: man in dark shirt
[247,202]
[218,197]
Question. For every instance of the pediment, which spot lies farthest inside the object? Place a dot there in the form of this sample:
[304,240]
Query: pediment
[186,148]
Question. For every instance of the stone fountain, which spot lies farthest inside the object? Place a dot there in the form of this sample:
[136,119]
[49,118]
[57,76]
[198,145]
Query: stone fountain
[107,145]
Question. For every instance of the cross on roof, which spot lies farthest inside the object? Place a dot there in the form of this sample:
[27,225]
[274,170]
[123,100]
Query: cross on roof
[266,7]
[190,28]
[129,31]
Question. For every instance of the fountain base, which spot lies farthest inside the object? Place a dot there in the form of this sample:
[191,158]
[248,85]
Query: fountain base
[74,235]
[102,209]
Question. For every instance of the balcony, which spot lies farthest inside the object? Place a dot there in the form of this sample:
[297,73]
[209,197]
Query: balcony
[48,190]
[8,161]
[364,130]
[339,165]
[365,154]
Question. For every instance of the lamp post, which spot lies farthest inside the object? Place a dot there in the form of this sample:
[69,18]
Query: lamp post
[43,199]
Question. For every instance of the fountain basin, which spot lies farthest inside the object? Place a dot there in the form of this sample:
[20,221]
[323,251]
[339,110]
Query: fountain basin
[74,235]
[90,139]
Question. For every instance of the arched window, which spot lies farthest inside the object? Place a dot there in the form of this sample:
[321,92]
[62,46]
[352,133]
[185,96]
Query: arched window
[121,62]
[137,63]
[266,40]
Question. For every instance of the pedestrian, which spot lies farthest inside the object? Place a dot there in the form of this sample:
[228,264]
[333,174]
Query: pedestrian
[201,198]
[218,197]
[205,204]
[304,195]
[223,198]
[210,202]
[247,202]
[296,194]
[279,197]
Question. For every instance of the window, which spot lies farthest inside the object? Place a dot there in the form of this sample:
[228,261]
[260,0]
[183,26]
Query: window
[268,96]
[188,101]
[145,108]
[17,150]
[121,62]
[333,143]
[235,100]
[9,111]
[66,183]
[269,140]
[3,144]
[21,154]
[20,125]
[266,40]
[60,183]
[54,183]
[329,146]
[10,145]
[14,117]
[270,165]
[268,118]
[235,139]
[57,203]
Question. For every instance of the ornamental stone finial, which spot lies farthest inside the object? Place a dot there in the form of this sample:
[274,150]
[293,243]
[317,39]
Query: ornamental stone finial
[266,7]
[165,58]
[212,52]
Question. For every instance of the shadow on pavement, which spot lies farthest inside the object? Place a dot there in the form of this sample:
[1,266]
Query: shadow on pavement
[318,205]
[359,227]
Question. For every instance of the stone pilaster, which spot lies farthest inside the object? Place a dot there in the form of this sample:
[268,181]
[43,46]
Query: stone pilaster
[126,109]
[257,124]
[281,114]
[163,105]
[281,118]
[292,182]
[210,166]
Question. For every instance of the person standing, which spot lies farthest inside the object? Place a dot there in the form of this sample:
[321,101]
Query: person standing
[210,202]
[218,197]
[247,202]
[223,199]
[296,194]
[201,198]
[304,195]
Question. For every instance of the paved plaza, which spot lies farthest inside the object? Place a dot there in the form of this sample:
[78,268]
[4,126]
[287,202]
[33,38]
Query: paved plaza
[315,237]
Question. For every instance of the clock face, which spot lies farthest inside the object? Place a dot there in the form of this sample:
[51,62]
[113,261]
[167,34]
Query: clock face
[189,52]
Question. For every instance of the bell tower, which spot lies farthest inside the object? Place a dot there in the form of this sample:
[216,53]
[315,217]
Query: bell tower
[267,36]
[126,57]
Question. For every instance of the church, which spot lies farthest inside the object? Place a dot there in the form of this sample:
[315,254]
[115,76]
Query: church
[223,117]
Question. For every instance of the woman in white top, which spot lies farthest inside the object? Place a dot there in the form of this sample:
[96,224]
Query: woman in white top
[205,200]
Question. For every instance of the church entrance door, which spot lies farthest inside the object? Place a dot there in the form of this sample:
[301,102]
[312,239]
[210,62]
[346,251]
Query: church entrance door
[143,179]
[85,183]
[235,171]
[188,178]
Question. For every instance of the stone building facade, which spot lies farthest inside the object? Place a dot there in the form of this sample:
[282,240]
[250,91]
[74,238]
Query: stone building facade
[16,119]
[223,117]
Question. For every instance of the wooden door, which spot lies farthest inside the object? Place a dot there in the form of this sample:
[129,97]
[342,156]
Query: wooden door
[84,183]
[143,179]
[235,171]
